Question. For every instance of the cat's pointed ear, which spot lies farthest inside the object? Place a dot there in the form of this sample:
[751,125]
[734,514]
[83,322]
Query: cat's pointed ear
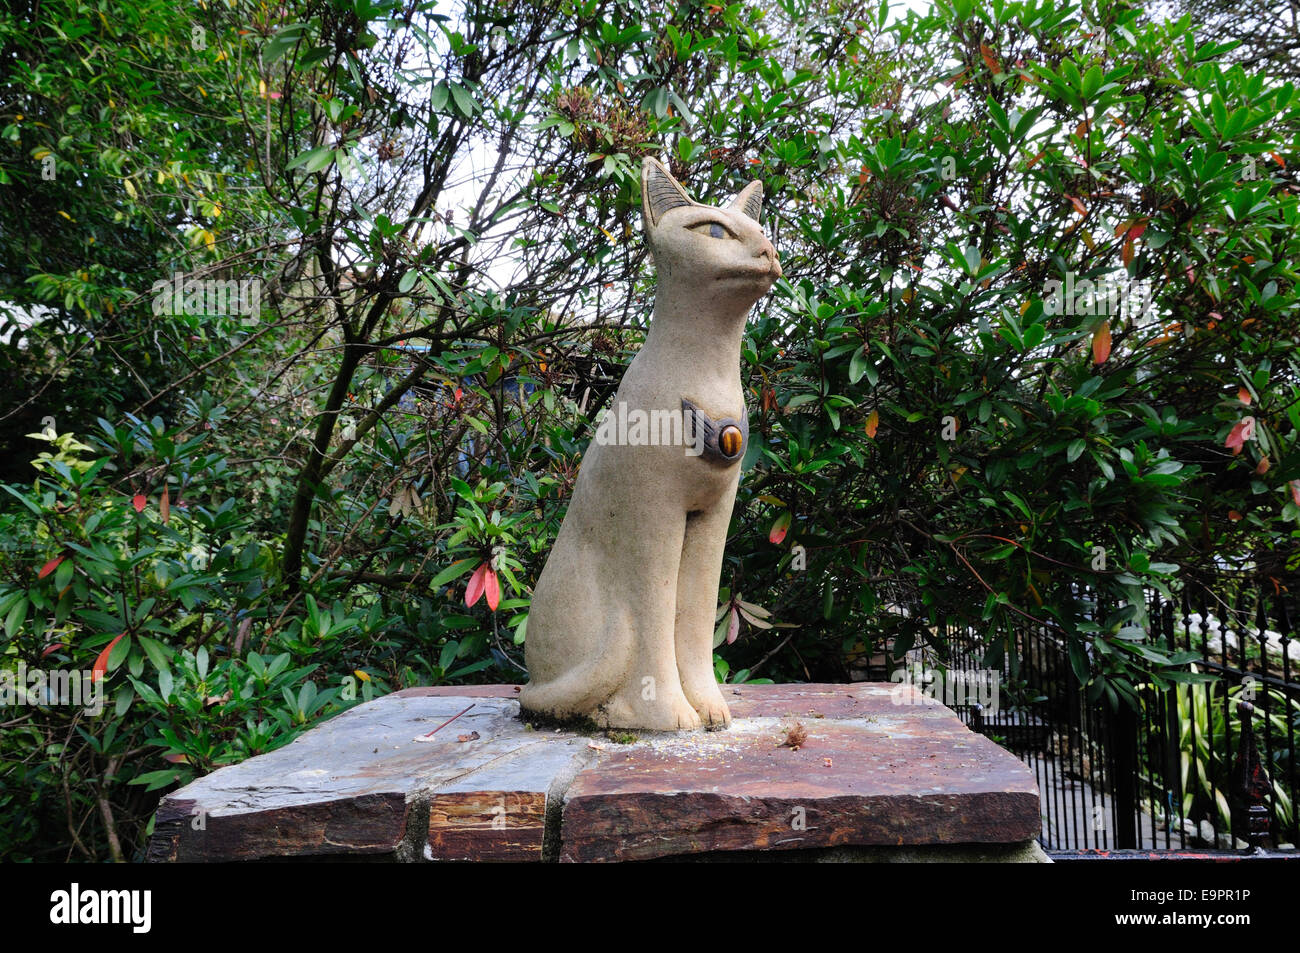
[750,200]
[660,192]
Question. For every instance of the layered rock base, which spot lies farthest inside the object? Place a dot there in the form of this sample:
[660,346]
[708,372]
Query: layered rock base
[861,772]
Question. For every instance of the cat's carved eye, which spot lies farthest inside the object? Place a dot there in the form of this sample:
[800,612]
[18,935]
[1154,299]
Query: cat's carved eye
[713,230]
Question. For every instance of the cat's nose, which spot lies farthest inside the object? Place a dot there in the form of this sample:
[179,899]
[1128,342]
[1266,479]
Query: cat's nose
[768,251]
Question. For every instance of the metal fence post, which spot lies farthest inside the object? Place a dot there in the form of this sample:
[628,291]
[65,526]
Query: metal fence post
[1250,787]
[1124,745]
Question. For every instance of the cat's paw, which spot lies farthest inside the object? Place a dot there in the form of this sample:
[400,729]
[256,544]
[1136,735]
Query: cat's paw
[676,715]
[688,720]
[714,715]
[671,714]
[708,704]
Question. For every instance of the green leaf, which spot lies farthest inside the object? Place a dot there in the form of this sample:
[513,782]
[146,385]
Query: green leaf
[1079,661]
[448,655]
[858,365]
[464,100]
[158,654]
[720,633]
[454,571]
[1020,504]
[63,575]
[438,96]
[285,40]
[26,502]
[313,160]
[17,616]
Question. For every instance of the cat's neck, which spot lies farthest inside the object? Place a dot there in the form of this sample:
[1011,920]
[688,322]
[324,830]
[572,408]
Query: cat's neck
[702,335]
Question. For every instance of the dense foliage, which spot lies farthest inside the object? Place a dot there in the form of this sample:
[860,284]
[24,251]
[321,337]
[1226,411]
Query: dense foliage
[249,519]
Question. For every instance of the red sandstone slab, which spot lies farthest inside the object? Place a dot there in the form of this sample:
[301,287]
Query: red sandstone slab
[871,771]
[894,774]
[345,787]
[487,825]
[859,700]
[499,811]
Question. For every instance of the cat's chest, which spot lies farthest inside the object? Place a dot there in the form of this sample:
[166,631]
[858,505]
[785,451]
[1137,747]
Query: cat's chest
[664,384]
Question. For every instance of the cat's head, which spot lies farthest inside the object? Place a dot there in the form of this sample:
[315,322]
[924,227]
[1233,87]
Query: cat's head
[719,253]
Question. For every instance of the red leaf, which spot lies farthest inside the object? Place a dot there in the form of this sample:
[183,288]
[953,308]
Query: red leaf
[1136,231]
[101,663]
[492,588]
[990,60]
[733,627]
[1234,515]
[1126,253]
[1238,435]
[1078,206]
[138,501]
[779,528]
[1243,395]
[165,504]
[476,584]
[177,758]
[873,424]
[50,648]
[1295,491]
[1101,344]
[1263,466]
[50,566]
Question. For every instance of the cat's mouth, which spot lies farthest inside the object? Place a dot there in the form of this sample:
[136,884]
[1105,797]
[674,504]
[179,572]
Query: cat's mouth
[768,271]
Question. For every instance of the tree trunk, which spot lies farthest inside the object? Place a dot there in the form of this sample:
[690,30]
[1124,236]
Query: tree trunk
[310,475]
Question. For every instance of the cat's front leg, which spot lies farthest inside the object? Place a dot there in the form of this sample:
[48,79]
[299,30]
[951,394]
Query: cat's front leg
[640,573]
[697,601]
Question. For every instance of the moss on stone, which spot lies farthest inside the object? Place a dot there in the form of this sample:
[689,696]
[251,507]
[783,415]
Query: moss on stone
[577,724]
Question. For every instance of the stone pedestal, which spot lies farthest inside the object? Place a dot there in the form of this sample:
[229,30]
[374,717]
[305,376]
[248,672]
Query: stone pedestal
[867,771]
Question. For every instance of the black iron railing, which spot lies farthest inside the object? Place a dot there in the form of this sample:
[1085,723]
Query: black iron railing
[1200,765]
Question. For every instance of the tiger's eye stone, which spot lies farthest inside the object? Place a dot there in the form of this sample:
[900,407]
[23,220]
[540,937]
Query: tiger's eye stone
[729,440]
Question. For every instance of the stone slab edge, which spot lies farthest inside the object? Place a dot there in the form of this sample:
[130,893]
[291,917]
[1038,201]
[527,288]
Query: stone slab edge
[491,815]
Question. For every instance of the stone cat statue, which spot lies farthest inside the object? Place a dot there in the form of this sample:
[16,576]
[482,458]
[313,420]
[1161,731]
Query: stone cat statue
[622,617]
